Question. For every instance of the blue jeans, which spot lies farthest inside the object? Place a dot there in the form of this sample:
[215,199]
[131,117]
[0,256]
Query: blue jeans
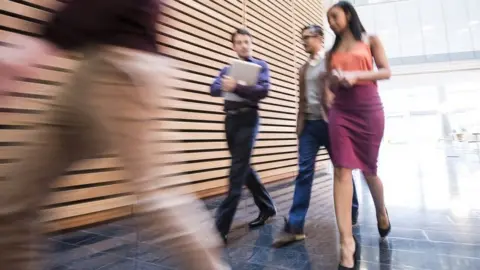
[314,135]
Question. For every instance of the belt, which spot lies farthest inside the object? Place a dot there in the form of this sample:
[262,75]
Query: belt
[238,111]
[313,117]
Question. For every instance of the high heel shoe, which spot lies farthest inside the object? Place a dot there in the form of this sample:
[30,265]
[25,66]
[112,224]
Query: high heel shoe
[384,232]
[356,257]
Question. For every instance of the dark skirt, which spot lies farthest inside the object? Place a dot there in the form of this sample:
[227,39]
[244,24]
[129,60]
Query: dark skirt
[356,127]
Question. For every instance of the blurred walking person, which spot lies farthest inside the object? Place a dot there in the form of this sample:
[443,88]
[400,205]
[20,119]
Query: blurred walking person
[109,103]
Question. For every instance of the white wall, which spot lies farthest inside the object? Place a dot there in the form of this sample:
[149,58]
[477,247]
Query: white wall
[329,36]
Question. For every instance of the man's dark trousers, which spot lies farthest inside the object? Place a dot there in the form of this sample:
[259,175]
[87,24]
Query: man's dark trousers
[313,136]
[242,129]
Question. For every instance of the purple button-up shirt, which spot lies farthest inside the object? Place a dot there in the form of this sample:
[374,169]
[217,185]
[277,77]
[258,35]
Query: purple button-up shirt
[252,93]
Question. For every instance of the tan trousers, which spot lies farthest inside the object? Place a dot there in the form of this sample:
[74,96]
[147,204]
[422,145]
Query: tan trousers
[108,105]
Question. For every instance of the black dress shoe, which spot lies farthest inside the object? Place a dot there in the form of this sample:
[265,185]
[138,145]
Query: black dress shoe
[261,220]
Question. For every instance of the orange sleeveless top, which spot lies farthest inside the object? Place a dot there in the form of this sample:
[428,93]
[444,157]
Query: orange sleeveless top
[358,59]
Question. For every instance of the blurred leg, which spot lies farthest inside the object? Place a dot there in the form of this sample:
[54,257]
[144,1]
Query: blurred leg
[123,113]
[52,147]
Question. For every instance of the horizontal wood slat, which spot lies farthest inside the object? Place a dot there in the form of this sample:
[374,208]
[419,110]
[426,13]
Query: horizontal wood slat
[196,36]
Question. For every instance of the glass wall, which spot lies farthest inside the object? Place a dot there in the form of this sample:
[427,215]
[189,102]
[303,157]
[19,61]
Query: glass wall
[415,103]
[423,31]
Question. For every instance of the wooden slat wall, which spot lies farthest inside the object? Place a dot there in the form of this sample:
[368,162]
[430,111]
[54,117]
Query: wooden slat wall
[195,34]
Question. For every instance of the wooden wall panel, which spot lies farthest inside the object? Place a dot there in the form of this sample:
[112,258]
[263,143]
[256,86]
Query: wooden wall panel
[195,35]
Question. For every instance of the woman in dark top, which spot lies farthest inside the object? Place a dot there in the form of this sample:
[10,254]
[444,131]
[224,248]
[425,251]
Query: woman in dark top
[93,114]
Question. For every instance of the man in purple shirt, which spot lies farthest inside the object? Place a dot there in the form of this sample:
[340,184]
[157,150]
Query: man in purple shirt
[241,126]
[108,105]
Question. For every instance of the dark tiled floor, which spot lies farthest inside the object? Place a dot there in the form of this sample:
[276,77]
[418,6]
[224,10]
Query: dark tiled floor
[432,200]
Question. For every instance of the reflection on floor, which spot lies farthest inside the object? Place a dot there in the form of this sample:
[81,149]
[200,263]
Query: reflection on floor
[433,205]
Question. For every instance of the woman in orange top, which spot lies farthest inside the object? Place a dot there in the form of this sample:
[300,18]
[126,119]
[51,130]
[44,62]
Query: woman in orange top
[356,119]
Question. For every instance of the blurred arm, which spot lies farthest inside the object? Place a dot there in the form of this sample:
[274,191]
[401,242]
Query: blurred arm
[216,87]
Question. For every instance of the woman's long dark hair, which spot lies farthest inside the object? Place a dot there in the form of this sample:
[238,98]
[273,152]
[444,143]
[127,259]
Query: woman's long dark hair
[354,24]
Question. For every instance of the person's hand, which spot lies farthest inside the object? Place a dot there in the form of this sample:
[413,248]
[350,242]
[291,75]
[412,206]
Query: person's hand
[348,79]
[228,84]
[335,77]
[16,62]
[323,76]
[329,97]
[11,67]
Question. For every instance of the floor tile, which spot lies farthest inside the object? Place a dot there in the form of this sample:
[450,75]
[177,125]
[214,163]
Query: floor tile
[429,229]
